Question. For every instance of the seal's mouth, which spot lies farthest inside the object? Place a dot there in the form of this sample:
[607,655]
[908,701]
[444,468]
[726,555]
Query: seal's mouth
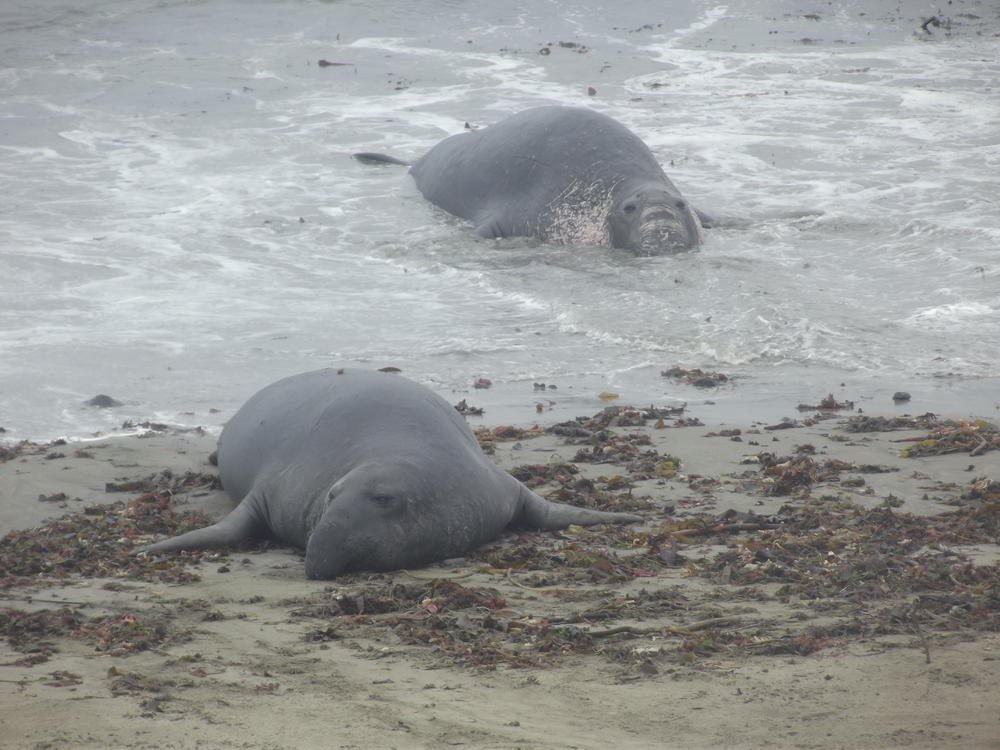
[662,236]
[664,231]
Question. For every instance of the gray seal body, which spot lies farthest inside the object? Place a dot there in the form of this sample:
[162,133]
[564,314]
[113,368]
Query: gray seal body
[566,175]
[365,471]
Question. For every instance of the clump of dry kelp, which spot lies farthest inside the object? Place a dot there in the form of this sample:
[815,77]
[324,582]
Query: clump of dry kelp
[97,542]
[32,633]
[697,377]
[541,597]
[972,436]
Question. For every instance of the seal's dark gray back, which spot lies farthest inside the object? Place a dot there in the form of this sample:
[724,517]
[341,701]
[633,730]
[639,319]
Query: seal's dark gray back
[325,420]
[529,160]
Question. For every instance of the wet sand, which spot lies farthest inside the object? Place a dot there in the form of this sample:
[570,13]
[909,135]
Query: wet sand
[667,634]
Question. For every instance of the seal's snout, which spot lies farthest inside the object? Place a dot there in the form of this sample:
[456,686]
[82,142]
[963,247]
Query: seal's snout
[668,227]
[662,232]
[326,552]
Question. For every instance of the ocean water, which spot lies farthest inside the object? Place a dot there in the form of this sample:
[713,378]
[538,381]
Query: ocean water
[181,221]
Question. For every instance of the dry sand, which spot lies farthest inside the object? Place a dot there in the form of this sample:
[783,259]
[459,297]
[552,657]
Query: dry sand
[255,656]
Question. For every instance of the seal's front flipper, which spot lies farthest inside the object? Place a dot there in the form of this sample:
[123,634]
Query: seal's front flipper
[242,525]
[490,228]
[366,157]
[535,512]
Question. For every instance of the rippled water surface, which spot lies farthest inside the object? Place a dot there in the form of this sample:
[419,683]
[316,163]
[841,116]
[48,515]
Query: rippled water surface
[182,221]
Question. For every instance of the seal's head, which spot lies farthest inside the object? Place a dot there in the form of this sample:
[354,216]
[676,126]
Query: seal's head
[387,515]
[653,221]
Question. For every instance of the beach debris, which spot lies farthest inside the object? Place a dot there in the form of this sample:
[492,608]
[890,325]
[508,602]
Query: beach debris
[465,410]
[616,416]
[784,424]
[887,424]
[56,497]
[608,396]
[900,396]
[32,633]
[25,448]
[868,554]
[482,383]
[390,368]
[867,571]
[827,404]
[62,678]
[504,433]
[612,493]
[733,434]
[103,401]
[788,475]
[937,23]
[697,377]
[150,690]
[983,488]
[623,594]
[961,436]
[97,541]
[124,634]
[570,429]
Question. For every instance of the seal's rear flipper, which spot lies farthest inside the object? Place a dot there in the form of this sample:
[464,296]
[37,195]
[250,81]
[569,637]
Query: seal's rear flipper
[538,513]
[242,525]
[366,157]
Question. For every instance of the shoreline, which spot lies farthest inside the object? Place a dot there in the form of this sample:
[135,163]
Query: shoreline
[750,590]
[734,402]
[764,397]
[187,448]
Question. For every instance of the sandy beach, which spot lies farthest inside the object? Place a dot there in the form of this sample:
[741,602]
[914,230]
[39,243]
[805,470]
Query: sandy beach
[826,582]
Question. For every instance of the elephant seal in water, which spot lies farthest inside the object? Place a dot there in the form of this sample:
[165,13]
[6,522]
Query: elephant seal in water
[365,470]
[566,175]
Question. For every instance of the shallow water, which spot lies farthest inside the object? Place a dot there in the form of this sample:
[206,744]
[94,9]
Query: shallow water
[182,221]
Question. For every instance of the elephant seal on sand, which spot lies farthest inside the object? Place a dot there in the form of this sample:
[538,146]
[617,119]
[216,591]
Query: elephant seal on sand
[566,175]
[365,470]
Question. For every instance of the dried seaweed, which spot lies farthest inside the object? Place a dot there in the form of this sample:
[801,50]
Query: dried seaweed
[117,635]
[541,597]
[696,377]
[827,404]
[23,448]
[97,542]
[888,424]
[972,437]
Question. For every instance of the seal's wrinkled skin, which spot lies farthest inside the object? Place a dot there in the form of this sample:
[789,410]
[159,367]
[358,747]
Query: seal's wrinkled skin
[565,175]
[365,471]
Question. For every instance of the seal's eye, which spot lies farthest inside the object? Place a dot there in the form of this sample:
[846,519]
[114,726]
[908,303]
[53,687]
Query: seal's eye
[629,208]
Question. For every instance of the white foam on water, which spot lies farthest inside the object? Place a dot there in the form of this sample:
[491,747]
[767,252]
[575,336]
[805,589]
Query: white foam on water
[709,19]
[184,224]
